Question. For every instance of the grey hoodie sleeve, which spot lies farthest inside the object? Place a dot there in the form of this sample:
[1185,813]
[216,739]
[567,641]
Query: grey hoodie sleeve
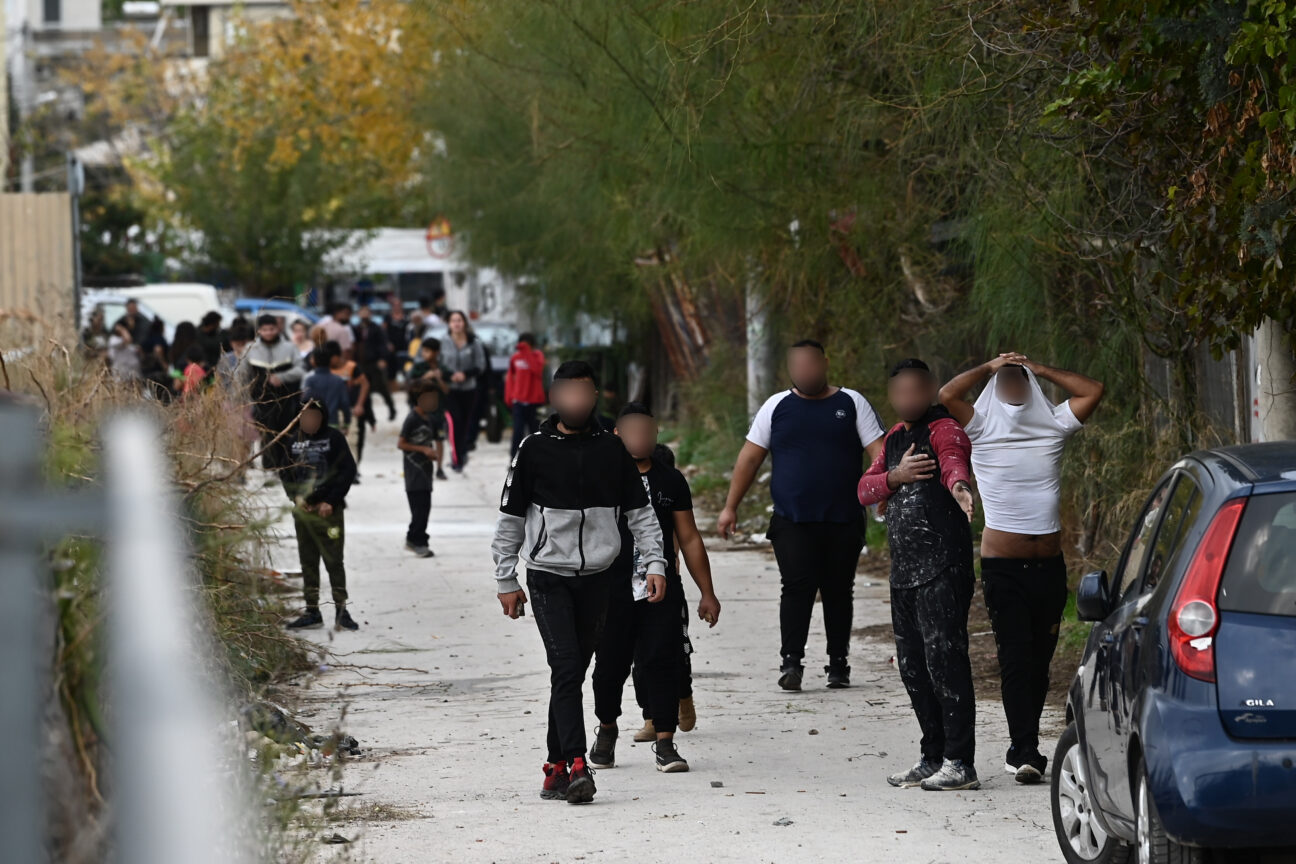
[641,519]
[294,374]
[509,531]
[647,533]
[510,527]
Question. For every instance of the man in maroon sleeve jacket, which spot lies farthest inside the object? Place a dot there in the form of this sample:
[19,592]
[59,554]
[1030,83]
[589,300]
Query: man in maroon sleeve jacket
[922,475]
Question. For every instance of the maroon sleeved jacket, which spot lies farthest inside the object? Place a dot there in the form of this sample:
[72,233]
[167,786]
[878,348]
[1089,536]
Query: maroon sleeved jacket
[953,453]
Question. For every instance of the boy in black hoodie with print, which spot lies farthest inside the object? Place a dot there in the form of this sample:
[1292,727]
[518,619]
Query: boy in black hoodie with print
[317,479]
[567,487]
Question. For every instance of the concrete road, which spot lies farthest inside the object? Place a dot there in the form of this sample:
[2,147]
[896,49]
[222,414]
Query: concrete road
[454,738]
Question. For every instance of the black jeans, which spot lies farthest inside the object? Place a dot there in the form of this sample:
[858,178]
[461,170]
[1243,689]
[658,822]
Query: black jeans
[685,667]
[647,635]
[1025,598]
[321,537]
[816,558]
[569,612]
[420,504]
[524,423]
[930,623]
[462,405]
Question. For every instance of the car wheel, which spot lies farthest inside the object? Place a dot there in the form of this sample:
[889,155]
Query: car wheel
[1152,844]
[1079,832]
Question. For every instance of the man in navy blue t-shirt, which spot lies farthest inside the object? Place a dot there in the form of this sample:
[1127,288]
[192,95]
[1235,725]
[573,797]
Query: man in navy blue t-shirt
[819,435]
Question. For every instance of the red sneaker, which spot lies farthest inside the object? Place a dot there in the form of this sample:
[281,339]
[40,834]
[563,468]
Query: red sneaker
[556,781]
[581,788]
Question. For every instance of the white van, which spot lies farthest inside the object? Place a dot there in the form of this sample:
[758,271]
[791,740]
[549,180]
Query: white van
[174,302]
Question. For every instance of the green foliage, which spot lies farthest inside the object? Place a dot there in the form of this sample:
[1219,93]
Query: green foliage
[261,224]
[1185,111]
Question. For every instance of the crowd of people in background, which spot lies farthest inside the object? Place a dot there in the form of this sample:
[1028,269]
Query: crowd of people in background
[596,513]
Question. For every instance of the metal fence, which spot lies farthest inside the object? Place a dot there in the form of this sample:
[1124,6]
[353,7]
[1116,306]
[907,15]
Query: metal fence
[173,799]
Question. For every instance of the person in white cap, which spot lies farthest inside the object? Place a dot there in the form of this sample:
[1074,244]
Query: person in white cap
[1017,438]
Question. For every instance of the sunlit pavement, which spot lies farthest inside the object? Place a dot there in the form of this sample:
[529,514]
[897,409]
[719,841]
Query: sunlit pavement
[454,737]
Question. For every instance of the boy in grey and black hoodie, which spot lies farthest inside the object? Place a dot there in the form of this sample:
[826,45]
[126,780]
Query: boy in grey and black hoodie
[566,489]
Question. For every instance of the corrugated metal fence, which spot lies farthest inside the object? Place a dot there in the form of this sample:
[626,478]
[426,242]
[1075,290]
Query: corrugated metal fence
[36,273]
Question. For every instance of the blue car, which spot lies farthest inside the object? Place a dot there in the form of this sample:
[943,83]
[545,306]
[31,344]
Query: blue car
[251,307]
[1180,746]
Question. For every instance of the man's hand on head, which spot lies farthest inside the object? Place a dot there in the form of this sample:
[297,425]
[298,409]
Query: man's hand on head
[1019,359]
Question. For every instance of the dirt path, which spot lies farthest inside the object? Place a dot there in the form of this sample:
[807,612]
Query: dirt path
[454,739]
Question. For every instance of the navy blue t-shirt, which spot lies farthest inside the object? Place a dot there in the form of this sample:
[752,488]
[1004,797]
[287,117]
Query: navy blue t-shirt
[817,446]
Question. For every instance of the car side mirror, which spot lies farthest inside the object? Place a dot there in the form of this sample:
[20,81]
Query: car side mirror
[1093,597]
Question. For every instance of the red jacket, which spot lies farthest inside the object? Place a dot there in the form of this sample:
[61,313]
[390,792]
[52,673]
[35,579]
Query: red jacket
[524,381]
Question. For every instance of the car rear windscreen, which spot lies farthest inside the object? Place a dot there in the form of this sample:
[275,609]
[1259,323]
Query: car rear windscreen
[1261,572]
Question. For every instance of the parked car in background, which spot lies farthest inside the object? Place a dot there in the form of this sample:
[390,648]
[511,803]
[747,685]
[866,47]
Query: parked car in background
[1181,736]
[382,308]
[113,305]
[173,302]
[251,307]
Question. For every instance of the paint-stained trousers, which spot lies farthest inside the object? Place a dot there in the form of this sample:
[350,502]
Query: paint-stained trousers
[930,623]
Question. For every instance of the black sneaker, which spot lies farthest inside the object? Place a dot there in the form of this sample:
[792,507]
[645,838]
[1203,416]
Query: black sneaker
[420,551]
[309,620]
[915,775]
[790,675]
[441,475]
[603,754]
[1028,768]
[669,761]
[954,774]
[344,621]
[838,673]
[581,788]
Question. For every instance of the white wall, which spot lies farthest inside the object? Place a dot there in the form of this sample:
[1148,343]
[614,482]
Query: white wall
[74,15]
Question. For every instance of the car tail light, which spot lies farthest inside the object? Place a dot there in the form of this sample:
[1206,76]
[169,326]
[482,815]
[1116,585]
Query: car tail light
[1194,617]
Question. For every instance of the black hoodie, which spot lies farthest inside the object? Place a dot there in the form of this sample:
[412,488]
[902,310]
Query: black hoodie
[563,498]
[322,468]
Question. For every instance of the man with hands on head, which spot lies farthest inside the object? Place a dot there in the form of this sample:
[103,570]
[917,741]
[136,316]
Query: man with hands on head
[1017,438]
[566,487]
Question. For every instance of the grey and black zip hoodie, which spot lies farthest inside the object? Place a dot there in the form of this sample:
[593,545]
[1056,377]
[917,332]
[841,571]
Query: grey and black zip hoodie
[562,499]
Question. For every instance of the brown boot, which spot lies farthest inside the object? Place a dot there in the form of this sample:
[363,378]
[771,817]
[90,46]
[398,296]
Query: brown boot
[647,733]
[687,714]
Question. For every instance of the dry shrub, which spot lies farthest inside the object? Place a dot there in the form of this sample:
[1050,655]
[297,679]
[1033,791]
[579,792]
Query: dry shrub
[204,439]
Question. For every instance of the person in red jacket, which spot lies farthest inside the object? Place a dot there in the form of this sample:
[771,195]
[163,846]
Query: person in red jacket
[524,388]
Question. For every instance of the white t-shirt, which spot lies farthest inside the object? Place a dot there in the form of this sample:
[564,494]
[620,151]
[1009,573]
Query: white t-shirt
[1016,457]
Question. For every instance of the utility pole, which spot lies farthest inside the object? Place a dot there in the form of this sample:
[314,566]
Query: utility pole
[76,188]
[760,350]
[1276,379]
[4,97]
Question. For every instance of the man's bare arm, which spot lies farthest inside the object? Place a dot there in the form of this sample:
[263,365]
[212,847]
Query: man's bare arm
[1085,392]
[745,467]
[954,394]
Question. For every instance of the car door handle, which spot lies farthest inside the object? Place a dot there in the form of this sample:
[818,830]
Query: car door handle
[1140,622]
[1108,639]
